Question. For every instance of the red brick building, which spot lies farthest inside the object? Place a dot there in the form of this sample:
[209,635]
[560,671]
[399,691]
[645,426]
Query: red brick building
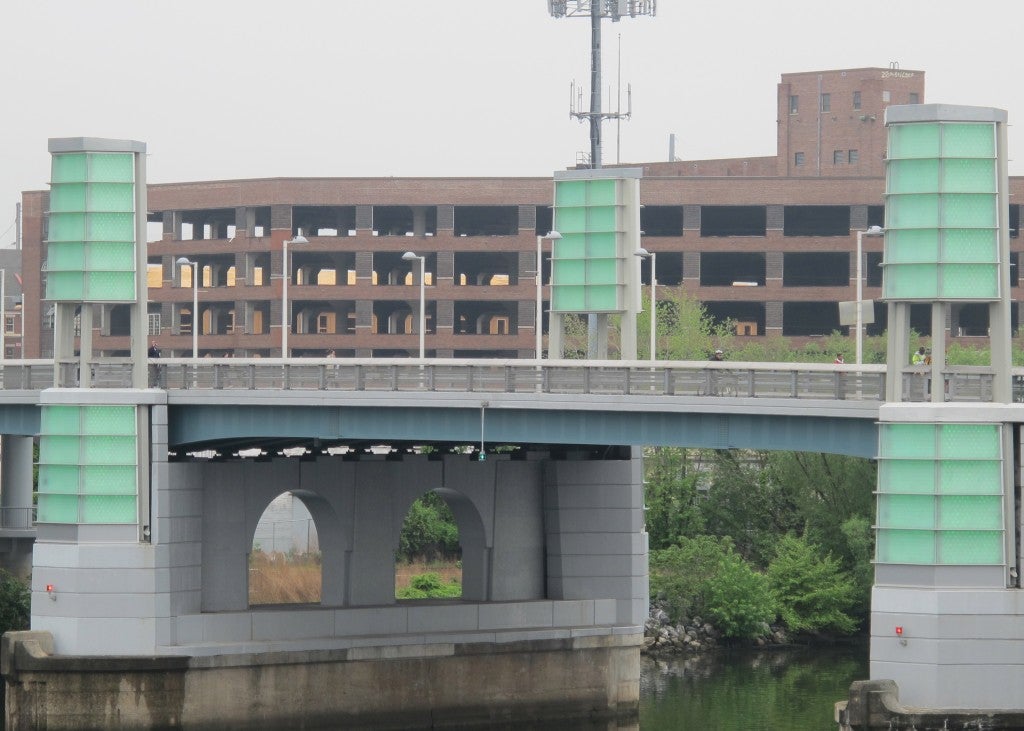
[768,242]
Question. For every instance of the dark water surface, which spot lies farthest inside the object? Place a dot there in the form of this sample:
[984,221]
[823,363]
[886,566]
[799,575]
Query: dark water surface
[779,690]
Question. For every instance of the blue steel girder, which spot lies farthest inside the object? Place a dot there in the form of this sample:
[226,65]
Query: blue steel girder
[196,426]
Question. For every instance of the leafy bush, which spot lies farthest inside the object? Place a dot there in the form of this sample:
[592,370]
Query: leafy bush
[430,586]
[429,530]
[15,603]
[812,592]
[670,489]
[678,573]
[737,599]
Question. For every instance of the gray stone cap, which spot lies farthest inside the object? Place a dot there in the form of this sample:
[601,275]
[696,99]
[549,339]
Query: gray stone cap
[94,144]
[599,174]
[899,113]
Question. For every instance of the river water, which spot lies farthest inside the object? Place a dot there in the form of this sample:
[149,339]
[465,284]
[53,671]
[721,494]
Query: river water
[794,689]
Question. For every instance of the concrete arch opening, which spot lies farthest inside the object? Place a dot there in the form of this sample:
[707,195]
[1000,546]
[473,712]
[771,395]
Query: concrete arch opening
[285,563]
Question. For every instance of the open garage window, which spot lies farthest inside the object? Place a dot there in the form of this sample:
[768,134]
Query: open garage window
[1014,221]
[816,221]
[815,269]
[325,220]
[873,269]
[876,216]
[810,318]
[401,221]
[670,269]
[748,318]
[661,220]
[733,220]
[731,269]
[486,220]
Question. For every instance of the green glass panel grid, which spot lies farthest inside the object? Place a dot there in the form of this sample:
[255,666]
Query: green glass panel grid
[570,246]
[905,546]
[913,176]
[568,299]
[970,512]
[602,245]
[602,192]
[906,476]
[968,176]
[110,287]
[915,512]
[67,197]
[59,449]
[109,480]
[55,479]
[967,210]
[971,477]
[969,281]
[570,193]
[907,441]
[970,441]
[110,256]
[109,420]
[99,450]
[66,227]
[111,197]
[976,140]
[114,167]
[971,548]
[59,419]
[603,298]
[970,245]
[65,286]
[602,271]
[917,140]
[910,281]
[65,256]
[111,227]
[918,210]
[108,509]
[911,246]
[58,509]
[567,273]
[603,218]
[68,167]
[570,220]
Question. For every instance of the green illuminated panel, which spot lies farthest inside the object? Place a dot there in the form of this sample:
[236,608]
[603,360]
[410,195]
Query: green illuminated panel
[92,228]
[587,274]
[940,494]
[88,462]
[941,209]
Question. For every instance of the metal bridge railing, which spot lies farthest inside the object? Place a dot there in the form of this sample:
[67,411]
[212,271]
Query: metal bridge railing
[633,378]
[18,518]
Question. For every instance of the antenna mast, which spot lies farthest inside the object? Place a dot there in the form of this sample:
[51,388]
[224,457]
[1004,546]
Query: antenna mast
[596,10]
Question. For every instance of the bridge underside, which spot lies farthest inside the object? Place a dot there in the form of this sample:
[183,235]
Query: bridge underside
[196,427]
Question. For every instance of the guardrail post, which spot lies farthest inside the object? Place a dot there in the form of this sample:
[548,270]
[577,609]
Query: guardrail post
[510,379]
[430,376]
[794,384]
[360,380]
[668,382]
[323,378]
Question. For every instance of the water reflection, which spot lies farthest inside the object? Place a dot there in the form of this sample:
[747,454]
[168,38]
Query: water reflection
[791,690]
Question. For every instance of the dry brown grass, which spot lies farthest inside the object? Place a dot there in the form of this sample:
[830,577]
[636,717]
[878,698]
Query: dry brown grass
[276,578]
[447,570]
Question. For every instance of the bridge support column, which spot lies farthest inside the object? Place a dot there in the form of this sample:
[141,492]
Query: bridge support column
[16,500]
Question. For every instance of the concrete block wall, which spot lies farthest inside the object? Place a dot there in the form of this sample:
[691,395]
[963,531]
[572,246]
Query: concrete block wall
[594,524]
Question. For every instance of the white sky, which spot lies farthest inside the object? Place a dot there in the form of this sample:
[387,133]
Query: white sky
[223,89]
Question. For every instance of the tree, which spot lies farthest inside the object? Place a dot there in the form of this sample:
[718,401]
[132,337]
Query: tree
[737,599]
[429,530]
[679,573]
[670,495]
[812,592]
[15,603]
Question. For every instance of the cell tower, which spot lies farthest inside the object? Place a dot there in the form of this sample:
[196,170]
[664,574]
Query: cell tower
[596,10]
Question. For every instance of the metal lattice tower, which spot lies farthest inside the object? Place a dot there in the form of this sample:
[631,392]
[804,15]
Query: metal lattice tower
[596,10]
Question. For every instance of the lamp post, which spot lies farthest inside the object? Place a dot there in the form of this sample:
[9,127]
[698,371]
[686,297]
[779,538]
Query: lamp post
[645,254]
[286,274]
[410,256]
[873,231]
[3,314]
[552,236]
[183,261]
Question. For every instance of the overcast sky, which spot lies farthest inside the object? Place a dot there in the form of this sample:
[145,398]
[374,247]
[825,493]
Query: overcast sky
[222,89]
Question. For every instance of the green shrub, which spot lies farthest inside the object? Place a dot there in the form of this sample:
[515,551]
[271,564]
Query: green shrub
[812,592]
[430,586]
[737,600]
[678,573]
[15,603]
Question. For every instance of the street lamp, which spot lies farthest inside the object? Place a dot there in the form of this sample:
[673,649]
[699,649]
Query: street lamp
[873,231]
[552,236]
[183,261]
[286,274]
[410,256]
[653,256]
